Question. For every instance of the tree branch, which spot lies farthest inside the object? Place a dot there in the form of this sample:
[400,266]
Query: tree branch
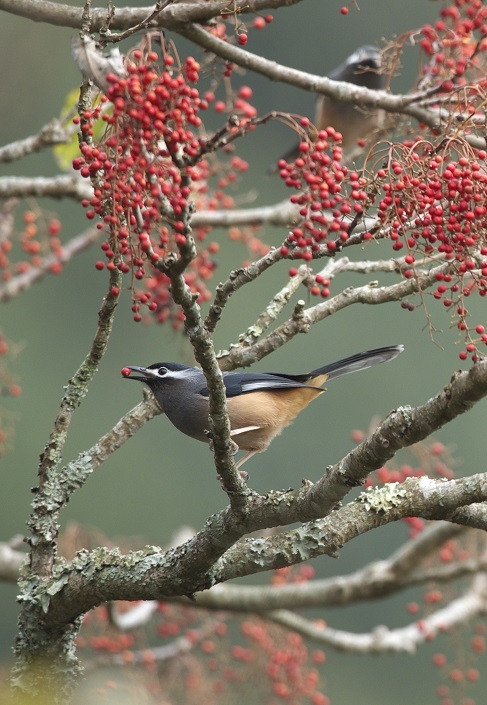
[244,355]
[278,214]
[11,561]
[21,282]
[403,640]
[407,104]
[423,497]
[45,507]
[197,564]
[54,132]
[126,17]
[373,581]
[63,186]
[105,575]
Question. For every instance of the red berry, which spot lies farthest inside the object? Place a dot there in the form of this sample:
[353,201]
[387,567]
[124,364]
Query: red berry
[126,372]
[456,675]
[245,92]
[54,227]
[439,660]
[56,268]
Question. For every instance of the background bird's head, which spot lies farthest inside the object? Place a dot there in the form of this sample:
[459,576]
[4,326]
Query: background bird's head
[362,68]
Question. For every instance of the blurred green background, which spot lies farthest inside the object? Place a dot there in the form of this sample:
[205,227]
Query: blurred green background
[161,479]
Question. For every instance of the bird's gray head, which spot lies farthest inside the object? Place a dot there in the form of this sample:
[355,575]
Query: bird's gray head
[178,390]
[159,373]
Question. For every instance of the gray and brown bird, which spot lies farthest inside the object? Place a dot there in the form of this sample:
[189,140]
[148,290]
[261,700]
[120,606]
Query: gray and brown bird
[362,68]
[260,404]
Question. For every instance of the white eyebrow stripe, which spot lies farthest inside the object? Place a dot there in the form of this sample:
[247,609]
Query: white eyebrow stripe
[178,374]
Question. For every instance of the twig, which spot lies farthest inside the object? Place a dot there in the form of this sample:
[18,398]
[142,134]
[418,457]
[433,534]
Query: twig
[177,647]
[274,308]
[54,132]
[21,282]
[243,356]
[142,24]
[235,281]
[201,340]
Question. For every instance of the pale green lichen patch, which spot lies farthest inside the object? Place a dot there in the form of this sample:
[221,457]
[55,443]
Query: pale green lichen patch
[381,499]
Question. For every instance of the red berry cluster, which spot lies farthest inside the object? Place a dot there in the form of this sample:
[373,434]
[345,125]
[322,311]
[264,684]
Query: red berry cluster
[231,30]
[260,22]
[331,196]
[320,176]
[430,198]
[459,672]
[148,172]
[454,38]
[284,658]
[38,239]
[435,207]
[219,661]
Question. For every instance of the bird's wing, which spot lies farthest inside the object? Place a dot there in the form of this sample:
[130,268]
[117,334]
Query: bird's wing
[237,383]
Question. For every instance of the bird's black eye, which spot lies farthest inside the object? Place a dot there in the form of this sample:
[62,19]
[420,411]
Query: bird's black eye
[162,371]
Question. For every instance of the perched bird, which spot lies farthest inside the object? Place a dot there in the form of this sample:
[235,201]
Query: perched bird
[260,404]
[363,69]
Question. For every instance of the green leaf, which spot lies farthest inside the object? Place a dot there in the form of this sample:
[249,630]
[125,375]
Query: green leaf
[66,152]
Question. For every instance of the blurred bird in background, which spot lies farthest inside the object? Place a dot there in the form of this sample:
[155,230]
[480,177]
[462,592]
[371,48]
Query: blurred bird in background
[354,123]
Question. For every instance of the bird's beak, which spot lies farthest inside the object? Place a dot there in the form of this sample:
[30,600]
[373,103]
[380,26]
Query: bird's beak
[144,373]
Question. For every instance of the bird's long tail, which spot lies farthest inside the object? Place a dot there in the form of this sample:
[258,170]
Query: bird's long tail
[357,362]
